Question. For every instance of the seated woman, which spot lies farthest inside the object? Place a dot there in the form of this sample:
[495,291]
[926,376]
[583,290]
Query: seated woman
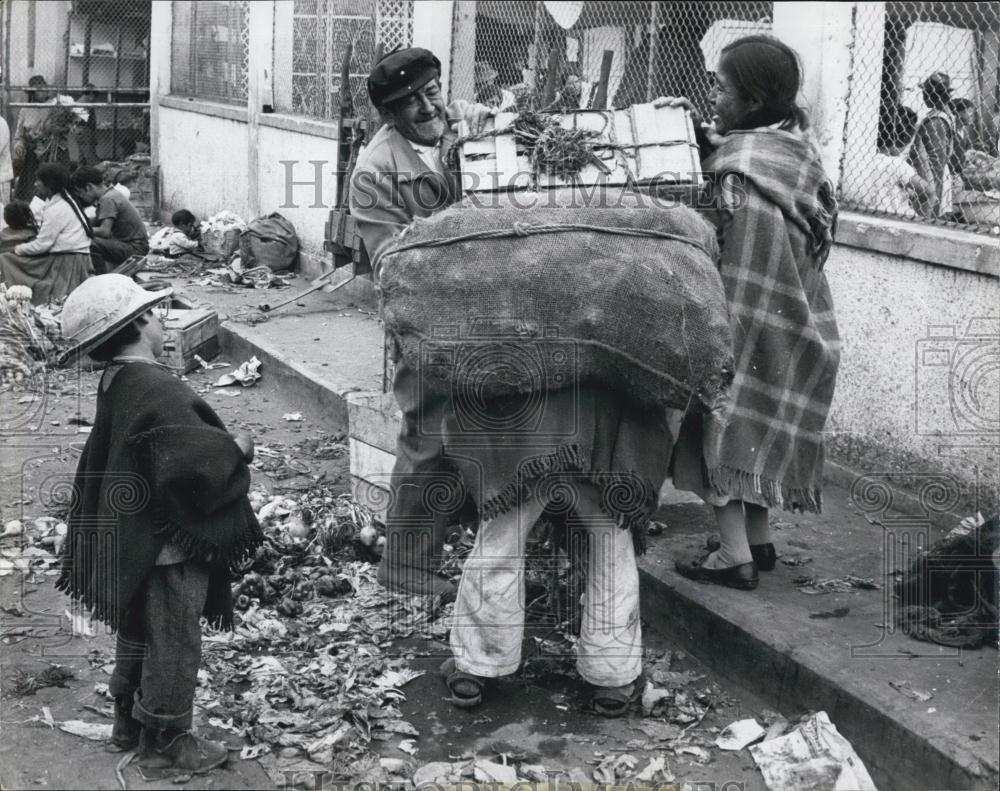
[20,225]
[58,259]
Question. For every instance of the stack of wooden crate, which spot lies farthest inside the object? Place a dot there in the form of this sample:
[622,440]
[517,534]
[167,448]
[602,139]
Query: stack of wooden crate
[641,146]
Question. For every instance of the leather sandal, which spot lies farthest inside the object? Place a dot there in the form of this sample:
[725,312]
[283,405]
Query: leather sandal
[615,701]
[764,555]
[466,689]
[741,577]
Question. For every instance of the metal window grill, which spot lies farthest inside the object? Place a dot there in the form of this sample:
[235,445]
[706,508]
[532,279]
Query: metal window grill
[891,133]
[211,50]
[95,52]
[321,30]
[556,50]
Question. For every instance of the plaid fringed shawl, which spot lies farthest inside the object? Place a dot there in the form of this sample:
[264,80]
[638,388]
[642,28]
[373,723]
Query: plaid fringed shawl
[777,216]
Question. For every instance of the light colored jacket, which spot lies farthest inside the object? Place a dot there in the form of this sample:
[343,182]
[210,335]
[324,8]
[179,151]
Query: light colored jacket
[61,231]
[392,186]
[6,165]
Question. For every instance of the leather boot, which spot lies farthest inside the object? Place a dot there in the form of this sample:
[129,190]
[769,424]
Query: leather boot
[125,732]
[170,751]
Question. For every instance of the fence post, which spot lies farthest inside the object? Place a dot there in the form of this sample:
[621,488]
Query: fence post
[261,23]
[823,36]
[432,21]
[160,53]
[861,129]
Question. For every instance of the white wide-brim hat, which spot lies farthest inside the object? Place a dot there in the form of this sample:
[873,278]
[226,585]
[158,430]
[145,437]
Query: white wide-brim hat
[99,307]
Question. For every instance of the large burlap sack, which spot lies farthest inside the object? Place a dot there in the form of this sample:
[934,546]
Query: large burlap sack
[517,297]
[269,241]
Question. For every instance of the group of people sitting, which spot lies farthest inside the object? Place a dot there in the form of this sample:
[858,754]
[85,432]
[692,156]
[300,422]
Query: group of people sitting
[55,243]
[55,252]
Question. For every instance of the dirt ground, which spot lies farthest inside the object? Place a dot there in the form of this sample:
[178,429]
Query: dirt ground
[537,718]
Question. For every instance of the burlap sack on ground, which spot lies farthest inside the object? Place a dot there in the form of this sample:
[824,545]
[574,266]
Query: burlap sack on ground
[522,294]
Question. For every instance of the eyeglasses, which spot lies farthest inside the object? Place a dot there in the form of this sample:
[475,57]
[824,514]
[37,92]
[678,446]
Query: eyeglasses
[431,92]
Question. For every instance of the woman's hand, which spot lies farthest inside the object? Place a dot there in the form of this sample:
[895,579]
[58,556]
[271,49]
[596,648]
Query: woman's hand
[244,441]
[713,137]
[680,101]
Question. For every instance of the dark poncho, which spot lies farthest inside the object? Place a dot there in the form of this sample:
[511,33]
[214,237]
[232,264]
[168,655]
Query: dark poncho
[158,465]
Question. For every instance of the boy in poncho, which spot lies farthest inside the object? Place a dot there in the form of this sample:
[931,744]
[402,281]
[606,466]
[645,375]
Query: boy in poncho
[159,516]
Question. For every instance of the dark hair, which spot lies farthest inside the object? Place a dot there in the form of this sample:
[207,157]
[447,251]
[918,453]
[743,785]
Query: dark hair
[18,215]
[181,217]
[936,91]
[85,174]
[110,348]
[896,127]
[768,70]
[54,176]
[960,105]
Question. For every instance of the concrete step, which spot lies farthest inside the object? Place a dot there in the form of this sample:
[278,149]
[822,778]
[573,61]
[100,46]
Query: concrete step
[835,652]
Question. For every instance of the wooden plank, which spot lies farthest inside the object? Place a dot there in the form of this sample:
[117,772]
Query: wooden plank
[601,95]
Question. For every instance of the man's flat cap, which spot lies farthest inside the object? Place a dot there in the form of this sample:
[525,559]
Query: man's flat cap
[401,73]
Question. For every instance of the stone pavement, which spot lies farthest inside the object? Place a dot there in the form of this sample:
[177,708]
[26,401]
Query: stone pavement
[832,651]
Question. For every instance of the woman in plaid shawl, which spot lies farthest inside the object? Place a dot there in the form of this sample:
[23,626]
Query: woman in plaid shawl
[775,212]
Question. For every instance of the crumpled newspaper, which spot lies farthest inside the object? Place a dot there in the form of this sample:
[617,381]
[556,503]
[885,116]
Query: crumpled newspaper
[247,374]
[812,757]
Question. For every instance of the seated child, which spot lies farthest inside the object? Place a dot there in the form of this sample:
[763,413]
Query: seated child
[181,236]
[894,182]
[21,225]
[153,569]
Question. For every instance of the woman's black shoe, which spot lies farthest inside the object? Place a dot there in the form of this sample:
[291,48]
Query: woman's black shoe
[763,554]
[742,577]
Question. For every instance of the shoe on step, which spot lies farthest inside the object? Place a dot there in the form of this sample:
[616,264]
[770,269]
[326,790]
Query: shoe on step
[167,752]
[741,577]
[764,555]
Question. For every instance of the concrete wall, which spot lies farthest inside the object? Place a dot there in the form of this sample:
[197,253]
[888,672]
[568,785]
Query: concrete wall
[203,163]
[278,145]
[895,412]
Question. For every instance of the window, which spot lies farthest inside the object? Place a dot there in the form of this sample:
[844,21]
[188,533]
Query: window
[320,32]
[211,50]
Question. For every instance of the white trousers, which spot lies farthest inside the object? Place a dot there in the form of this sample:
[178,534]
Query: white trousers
[488,623]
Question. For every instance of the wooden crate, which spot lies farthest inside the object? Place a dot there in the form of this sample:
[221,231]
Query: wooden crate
[188,332]
[642,145]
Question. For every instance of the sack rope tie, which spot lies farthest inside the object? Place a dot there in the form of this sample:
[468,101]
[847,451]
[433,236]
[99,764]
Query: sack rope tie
[524,229]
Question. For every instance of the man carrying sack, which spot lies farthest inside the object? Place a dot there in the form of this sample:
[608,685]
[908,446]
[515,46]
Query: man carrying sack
[400,176]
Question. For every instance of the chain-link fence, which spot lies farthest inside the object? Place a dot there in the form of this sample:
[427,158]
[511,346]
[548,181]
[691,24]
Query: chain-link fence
[75,82]
[320,33]
[211,50]
[555,52]
[921,135]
